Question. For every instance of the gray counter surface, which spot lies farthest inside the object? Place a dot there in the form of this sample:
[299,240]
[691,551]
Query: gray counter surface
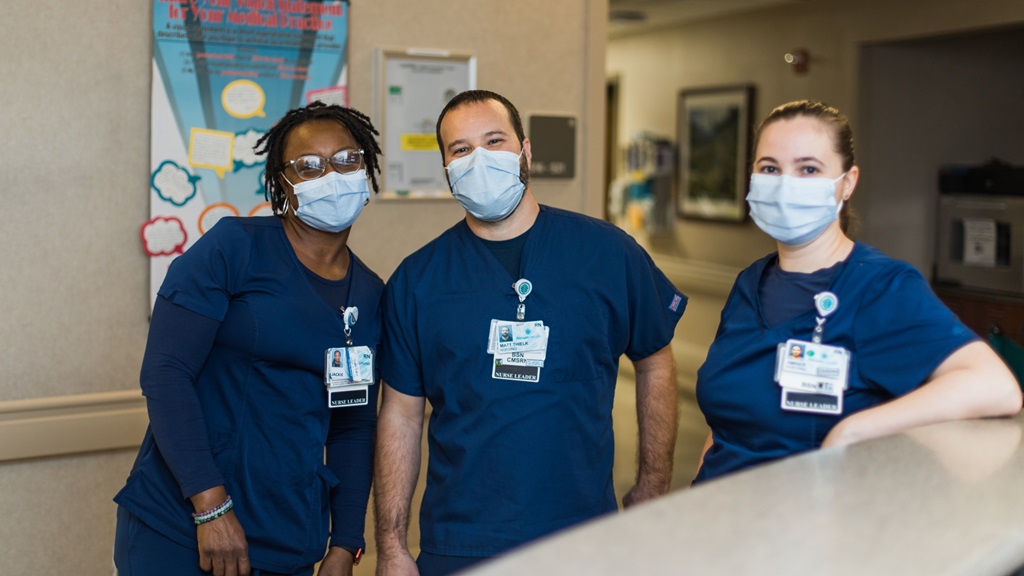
[946,499]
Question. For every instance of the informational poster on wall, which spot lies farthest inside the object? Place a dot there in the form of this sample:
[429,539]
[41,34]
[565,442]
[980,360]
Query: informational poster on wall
[414,86]
[223,72]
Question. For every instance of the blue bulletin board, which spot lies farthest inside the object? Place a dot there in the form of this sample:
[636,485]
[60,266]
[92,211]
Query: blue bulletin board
[223,73]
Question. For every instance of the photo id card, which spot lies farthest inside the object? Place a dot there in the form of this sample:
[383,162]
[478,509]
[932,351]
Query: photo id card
[812,376]
[518,348]
[349,366]
[506,337]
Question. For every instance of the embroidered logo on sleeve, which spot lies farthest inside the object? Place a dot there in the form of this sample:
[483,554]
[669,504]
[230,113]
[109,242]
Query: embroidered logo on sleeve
[674,306]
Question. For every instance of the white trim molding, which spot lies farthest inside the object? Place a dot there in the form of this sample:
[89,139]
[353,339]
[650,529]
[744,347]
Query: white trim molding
[58,425]
[72,424]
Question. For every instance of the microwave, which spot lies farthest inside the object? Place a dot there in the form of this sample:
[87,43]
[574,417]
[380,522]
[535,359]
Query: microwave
[980,242]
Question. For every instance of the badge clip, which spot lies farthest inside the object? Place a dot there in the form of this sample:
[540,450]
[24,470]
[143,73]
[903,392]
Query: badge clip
[825,303]
[522,287]
[350,315]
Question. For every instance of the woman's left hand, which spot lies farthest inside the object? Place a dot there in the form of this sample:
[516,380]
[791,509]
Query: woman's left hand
[338,562]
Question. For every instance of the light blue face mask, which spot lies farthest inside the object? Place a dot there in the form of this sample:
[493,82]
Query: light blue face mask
[486,183]
[332,202]
[793,210]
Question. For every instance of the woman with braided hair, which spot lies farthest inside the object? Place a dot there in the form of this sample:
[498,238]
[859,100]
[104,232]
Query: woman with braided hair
[243,395]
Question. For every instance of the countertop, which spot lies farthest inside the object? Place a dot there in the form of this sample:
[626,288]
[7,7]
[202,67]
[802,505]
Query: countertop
[943,499]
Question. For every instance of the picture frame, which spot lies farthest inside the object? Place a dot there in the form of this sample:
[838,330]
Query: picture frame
[714,131]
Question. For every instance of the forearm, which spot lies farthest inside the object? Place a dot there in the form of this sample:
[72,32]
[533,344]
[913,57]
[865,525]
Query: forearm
[396,468]
[178,344]
[350,457]
[657,413]
[971,383]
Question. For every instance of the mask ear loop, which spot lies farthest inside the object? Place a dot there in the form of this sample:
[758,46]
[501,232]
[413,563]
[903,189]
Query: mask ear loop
[286,206]
[844,198]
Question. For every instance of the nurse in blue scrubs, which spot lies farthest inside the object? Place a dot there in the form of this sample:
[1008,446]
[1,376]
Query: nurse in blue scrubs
[878,352]
[243,397]
[511,324]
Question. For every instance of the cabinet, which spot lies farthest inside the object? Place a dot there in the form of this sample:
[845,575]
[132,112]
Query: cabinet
[981,311]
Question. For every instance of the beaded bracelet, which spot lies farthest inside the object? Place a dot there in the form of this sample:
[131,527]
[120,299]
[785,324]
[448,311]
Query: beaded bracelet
[214,513]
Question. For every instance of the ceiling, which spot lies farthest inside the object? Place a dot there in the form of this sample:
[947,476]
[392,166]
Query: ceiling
[634,16]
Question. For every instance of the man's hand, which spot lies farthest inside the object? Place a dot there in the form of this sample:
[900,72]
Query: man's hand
[398,564]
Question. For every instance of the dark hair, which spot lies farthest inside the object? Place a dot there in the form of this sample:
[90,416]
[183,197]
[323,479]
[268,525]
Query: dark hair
[842,136]
[474,96]
[274,141]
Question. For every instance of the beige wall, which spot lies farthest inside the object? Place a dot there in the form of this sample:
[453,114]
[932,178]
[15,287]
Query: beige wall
[73,276]
[926,103]
[652,68]
[75,121]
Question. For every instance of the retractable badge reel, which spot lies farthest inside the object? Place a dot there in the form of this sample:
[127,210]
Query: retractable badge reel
[350,316]
[523,287]
[349,370]
[825,303]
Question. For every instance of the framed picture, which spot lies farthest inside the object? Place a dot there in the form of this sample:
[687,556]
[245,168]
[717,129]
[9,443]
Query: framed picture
[714,135]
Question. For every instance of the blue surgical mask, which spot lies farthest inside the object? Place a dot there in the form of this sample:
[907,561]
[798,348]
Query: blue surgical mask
[486,183]
[793,210]
[332,202]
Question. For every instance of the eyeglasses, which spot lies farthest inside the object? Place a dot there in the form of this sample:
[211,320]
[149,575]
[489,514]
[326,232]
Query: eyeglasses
[312,166]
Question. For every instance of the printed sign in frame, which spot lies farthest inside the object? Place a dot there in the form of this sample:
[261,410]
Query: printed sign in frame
[413,86]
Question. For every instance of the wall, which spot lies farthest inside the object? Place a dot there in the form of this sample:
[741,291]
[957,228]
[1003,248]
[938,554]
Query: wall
[927,103]
[74,290]
[651,69]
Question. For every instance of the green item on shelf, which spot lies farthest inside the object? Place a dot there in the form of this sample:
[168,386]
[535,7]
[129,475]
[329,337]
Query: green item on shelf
[1011,352]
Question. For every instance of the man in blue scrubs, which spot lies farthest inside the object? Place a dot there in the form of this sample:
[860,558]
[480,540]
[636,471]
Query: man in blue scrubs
[520,436]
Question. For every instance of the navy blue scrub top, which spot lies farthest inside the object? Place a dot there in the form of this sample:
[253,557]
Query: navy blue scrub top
[510,461]
[264,421]
[898,331]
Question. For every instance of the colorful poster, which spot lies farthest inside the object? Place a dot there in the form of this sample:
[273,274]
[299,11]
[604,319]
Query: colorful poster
[223,72]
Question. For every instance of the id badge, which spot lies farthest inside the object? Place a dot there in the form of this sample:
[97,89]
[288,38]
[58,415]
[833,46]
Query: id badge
[512,368]
[518,350]
[352,365]
[813,377]
[348,375]
[508,337]
[347,396]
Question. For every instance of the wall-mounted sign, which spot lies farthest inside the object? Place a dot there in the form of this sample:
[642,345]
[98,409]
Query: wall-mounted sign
[553,142]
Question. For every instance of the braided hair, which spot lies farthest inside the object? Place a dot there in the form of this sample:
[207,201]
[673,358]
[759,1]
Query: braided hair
[273,143]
